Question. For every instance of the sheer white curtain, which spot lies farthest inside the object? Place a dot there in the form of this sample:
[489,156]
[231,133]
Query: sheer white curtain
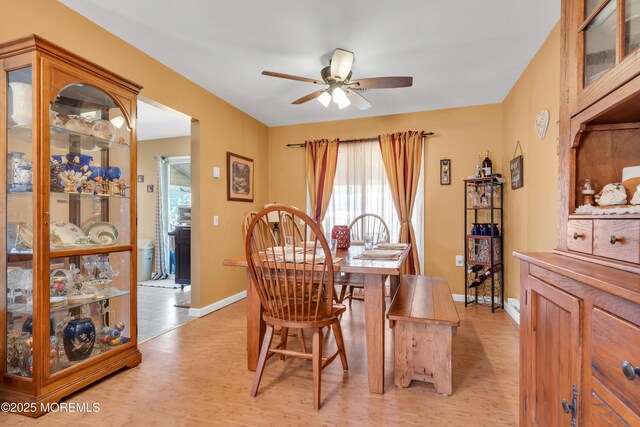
[361,186]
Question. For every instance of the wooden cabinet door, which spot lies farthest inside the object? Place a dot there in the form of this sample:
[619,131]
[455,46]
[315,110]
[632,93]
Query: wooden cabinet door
[550,353]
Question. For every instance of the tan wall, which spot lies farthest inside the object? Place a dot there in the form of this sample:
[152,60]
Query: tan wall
[531,210]
[461,134]
[221,126]
[147,150]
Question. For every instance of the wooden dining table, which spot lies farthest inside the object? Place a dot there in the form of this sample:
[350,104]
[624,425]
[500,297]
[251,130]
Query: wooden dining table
[374,272]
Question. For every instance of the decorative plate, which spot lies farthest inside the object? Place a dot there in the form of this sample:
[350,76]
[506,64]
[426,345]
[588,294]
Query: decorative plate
[79,299]
[25,233]
[67,234]
[102,233]
[57,301]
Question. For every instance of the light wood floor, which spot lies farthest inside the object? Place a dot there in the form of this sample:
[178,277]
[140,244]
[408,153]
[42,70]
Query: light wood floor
[196,375]
[156,311]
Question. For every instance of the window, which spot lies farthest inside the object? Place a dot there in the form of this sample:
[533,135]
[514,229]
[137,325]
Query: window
[179,188]
[361,186]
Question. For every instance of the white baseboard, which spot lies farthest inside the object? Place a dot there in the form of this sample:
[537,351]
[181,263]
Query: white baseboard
[458,297]
[512,306]
[199,312]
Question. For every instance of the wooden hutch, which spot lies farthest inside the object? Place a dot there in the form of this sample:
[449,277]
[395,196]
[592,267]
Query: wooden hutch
[580,305]
[67,224]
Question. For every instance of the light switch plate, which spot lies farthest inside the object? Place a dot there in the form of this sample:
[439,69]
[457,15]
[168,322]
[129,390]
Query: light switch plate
[215,220]
[216,172]
[459,261]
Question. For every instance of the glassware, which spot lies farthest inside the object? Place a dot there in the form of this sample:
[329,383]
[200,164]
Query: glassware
[588,190]
[333,247]
[13,279]
[288,242]
[368,241]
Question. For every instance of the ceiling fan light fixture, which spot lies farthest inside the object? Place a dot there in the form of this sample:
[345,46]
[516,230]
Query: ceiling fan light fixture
[324,99]
[344,104]
[339,96]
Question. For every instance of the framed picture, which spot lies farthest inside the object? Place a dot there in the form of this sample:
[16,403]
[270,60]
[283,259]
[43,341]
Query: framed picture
[445,172]
[150,188]
[515,166]
[239,178]
[140,178]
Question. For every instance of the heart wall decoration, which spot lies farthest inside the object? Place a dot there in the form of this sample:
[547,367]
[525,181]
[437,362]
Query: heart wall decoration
[542,123]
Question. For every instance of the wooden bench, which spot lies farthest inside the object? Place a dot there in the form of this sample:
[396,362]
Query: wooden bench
[424,317]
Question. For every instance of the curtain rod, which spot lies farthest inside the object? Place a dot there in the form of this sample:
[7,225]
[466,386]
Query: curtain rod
[347,141]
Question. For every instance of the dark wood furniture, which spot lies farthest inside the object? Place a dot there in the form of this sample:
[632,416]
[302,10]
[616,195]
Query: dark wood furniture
[424,318]
[182,236]
[580,306]
[375,274]
[61,85]
[296,291]
[483,243]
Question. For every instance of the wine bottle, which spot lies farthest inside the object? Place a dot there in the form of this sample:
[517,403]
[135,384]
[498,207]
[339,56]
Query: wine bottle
[486,166]
[475,268]
[482,277]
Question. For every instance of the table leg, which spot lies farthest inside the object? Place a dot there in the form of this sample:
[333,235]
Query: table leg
[255,325]
[394,283]
[374,310]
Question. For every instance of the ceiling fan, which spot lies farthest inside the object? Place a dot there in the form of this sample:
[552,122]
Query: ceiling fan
[341,88]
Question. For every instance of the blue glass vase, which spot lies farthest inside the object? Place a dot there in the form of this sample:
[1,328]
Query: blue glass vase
[112,172]
[79,337]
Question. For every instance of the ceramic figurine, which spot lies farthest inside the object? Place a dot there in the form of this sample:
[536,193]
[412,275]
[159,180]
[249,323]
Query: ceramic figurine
[123,187]
[612,194]
[116,188]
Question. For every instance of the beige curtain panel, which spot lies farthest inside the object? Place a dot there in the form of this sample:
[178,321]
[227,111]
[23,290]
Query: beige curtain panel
[321,161]
[402,156]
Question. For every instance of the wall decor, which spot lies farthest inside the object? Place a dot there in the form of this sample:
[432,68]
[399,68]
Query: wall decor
[149,188]
[140,178]
[239,178]
[515,165]
[542,123]
[445,172]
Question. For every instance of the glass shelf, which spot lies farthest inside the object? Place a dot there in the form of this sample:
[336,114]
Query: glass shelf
[60,139]
[21,309]
[63,195]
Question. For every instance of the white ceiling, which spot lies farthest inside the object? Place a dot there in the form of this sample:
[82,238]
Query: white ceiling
[156,123]
[460,53]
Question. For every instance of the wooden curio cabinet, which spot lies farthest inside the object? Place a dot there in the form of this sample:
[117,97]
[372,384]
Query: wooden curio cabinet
[68,221]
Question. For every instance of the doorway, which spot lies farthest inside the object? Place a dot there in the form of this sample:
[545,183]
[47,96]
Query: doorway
[164,218]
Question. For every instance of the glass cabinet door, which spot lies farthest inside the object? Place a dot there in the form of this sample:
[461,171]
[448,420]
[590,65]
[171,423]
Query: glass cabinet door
[19,155]
[600,37]
[631,26]
[90,224]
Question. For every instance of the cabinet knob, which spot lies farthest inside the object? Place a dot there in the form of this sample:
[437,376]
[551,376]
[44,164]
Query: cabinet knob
[629,371]
[577,236]
[613,240]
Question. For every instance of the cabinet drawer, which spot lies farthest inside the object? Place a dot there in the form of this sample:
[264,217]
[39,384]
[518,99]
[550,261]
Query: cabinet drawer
[580,235]
[617,239]
[615,341]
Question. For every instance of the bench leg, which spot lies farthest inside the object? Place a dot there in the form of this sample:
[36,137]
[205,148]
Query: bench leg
[403,356]
[423,353]
[442,359]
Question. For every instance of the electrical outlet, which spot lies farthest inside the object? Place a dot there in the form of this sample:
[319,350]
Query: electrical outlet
[459,261]
[215,220]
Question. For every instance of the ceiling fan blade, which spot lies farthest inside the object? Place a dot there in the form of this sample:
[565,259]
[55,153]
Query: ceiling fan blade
[309,97]
[291,77]
[341,63]
[358,100]
[383,82]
